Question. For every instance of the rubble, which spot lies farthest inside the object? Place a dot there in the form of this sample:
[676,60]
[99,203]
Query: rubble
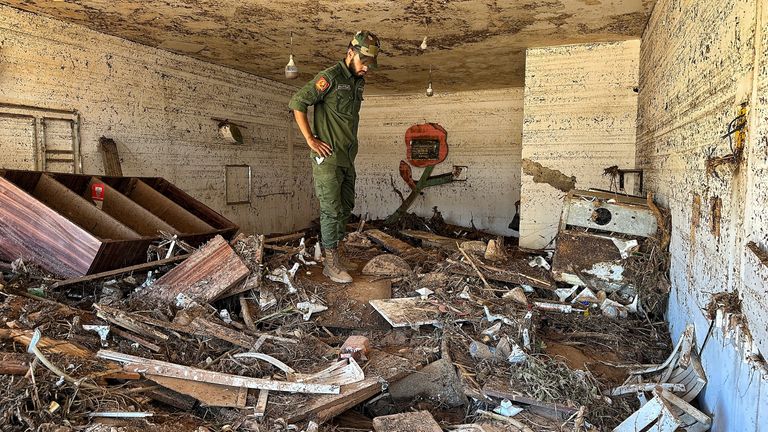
[462,333]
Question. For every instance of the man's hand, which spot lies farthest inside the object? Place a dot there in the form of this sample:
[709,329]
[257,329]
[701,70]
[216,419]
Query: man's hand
[319,147]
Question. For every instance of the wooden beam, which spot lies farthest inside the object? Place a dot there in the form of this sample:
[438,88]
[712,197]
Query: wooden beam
[113,273]
[215,395]
[285,238]
[161,368]
[126,321]
[24,337]
[134,338]
[110,157]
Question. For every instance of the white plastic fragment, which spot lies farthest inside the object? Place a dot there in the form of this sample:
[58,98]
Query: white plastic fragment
[564,293]
[464,293]
[318,255]
[613,309]
[493,318]
[266,299]
[625,247]
[586,295]
[224,315]
[492,330]
[309,308]
[507,409]
[101,330]
[516,355]
[424,292]
[285,277]
[527,288]
[539,262]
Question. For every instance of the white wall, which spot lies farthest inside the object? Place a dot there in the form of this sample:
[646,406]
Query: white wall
[695,58]
[158,107]
[484,133]
[580,112]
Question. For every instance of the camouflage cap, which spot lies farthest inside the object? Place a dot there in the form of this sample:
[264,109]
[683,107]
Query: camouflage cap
[368,45]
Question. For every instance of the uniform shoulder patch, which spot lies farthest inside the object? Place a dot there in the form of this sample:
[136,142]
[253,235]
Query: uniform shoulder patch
[322,84]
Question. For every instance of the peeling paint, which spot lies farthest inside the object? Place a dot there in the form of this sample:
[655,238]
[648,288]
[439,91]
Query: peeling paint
[554,178]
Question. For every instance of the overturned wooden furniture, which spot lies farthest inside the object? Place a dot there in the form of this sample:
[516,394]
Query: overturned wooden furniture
[74,224]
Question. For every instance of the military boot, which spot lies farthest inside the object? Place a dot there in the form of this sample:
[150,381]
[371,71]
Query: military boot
[331,267]
[344,262]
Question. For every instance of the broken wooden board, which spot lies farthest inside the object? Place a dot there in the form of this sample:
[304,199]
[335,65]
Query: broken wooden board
[420,421]
[285,238]
[408,311]
[172,398]
[204,276]
[516,274]
[201,326]
[46,344]
[351,309]
[110,157]
[126,321]
[161,368]
[556,412]
[208,394]
[429,239]
[14,363]
[393,244]
[381,368]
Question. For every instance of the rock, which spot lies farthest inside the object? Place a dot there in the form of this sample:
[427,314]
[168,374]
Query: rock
[494,251]
[474,246]
[387,265]
[517,294]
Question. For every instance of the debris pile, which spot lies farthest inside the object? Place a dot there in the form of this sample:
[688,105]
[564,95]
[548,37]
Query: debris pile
[456,330]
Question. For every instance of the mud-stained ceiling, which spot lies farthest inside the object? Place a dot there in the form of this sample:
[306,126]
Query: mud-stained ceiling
[471,44]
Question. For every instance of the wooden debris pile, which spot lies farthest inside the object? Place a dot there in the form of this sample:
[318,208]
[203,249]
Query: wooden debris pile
[436,332]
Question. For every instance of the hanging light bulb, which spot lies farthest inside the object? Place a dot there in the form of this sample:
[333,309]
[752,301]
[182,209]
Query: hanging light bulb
[291,70]
[430,92]
[423,45]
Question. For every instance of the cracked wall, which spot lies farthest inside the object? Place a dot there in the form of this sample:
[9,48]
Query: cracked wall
[158,107]
[699,60]
[580,117]
[484,133]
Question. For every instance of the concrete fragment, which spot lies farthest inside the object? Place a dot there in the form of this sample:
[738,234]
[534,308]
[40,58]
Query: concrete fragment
[437,381]
[517,294]
[420,421]
[494,251]
[356,347]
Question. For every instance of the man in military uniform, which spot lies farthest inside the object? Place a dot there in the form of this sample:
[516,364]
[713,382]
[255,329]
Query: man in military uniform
[336,94]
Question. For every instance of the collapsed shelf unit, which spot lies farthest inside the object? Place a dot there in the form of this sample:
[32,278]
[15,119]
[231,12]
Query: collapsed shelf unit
[50,219]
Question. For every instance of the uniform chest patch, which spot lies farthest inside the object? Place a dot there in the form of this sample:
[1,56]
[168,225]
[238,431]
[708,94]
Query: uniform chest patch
[322,84]
[344,87]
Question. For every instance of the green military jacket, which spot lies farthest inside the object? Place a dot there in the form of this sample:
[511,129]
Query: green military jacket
[336,95]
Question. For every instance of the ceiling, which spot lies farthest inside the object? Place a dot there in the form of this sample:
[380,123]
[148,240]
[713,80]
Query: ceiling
[473,44]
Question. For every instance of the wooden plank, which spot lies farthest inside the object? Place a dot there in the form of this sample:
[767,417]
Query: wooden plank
[420,421]
[261,405]
[381,367]
[557,412]
[286,238]
[60,198]
[24,337]
[13,363]
[432,240]
[759,253]
[161,368]
[113,273]
[30,229]
[125,320]
[134,338]
[208,394]
[204,276]
[110,157]
[165,208]
[202,326]
[172,398]
[128,212]
[388,242]
[408,311]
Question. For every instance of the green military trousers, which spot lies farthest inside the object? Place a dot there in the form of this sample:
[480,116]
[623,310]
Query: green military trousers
[335,189]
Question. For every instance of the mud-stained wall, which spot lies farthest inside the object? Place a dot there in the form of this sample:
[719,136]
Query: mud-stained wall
[158,107]
[484,133]
[580,113]
[699,60]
